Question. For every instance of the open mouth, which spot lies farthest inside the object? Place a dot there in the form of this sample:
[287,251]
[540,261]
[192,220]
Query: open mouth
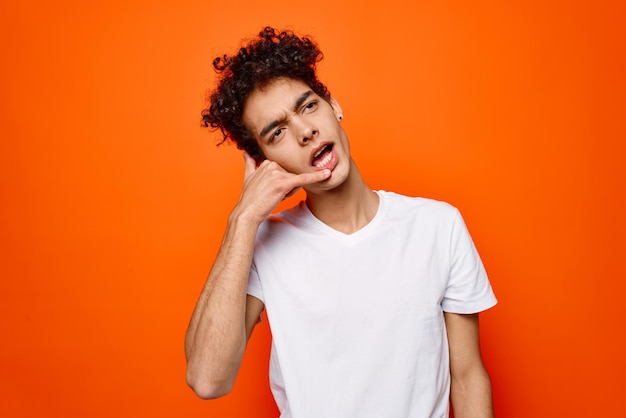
[323,156]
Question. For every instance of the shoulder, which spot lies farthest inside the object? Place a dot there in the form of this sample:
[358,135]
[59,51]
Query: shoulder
[286,220]
[399,205]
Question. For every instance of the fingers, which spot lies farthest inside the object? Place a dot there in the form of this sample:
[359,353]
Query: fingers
[297,181]
[310,178]
[250,165]
[289,180]
[292,192]
[265,186]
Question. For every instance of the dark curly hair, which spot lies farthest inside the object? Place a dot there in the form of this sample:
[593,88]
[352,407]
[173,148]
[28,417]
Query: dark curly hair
[271,55]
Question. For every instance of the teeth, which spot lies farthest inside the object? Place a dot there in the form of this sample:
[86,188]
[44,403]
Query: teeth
[319,152]
[325,161]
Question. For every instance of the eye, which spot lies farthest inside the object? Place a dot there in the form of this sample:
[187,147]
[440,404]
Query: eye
[275,135]
[310,105]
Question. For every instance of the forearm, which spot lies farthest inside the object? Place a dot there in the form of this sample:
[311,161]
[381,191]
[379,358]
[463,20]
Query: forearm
[217,333]
[470,387]
[471,394]
[216,337]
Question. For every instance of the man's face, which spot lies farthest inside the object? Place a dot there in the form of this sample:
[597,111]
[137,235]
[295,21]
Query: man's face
[299,130]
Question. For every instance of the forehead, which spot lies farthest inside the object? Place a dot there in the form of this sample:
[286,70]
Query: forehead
[272,101]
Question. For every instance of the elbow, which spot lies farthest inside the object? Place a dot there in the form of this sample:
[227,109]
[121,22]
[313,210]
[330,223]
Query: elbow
[208,392]
[207,388]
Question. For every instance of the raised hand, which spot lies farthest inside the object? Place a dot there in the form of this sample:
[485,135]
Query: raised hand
[268,184]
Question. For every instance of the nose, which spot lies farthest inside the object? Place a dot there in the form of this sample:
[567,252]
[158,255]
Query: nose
[308,133]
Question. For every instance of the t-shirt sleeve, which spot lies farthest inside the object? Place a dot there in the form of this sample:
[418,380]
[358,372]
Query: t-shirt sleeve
[468,289]
[254,283]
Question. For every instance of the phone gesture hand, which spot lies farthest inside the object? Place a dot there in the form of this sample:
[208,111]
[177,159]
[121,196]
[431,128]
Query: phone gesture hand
[268,184]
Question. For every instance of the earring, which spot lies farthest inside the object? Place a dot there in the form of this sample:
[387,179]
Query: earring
[340,118]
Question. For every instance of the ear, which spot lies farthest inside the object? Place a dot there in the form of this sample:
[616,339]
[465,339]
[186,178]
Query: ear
[336,108]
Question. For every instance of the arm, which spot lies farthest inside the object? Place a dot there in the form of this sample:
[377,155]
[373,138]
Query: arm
[470,387]
[224,316]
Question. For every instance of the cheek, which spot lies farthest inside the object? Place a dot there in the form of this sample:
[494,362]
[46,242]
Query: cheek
[283,151]
[277,154]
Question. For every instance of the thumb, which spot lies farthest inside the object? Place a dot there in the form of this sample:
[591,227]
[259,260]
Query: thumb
[310,178]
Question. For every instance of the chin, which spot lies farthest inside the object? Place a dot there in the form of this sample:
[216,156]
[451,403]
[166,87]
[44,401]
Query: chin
[337,179]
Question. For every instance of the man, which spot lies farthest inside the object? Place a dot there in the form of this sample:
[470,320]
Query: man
[372,297]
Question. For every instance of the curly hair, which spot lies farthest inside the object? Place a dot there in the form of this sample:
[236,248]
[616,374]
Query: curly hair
[271,55]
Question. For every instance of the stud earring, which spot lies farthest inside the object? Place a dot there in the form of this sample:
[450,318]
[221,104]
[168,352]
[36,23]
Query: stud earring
[340,117]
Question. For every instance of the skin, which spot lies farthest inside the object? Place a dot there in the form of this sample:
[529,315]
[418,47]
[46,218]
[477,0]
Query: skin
[291,124]
[470,386]
[343,201]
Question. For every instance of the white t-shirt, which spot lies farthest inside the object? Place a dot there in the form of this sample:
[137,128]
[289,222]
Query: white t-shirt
[357,320]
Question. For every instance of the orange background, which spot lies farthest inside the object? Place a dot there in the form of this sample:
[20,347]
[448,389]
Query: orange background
[114,199]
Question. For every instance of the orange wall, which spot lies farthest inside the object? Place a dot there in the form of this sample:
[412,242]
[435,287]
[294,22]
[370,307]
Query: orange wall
[114,199]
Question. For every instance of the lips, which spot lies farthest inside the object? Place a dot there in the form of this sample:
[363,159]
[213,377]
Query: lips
[323,156]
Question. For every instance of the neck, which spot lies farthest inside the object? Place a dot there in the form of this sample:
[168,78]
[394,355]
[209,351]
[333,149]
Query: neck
[346,208]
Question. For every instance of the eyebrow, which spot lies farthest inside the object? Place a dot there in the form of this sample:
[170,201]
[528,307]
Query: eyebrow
[277,122]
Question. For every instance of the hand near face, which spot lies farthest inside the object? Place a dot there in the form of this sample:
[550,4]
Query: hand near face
[268,184]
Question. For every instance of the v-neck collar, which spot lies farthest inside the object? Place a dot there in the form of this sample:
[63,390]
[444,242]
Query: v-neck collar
[321,228]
